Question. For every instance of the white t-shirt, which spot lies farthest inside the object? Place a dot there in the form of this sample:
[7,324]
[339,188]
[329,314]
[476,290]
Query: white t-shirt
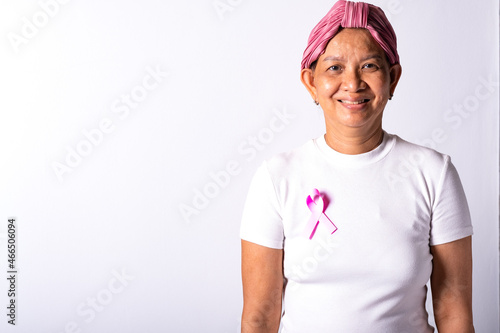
[389,206]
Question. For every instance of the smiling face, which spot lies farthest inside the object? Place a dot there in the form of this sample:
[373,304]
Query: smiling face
[352,82]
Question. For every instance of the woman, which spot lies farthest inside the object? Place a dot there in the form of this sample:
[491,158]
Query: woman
[343,233]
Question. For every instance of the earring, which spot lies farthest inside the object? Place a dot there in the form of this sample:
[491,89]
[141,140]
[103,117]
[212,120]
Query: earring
[390,98]
[316,102]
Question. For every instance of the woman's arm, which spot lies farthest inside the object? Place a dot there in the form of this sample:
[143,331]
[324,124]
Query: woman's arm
[262,276]
[451,284]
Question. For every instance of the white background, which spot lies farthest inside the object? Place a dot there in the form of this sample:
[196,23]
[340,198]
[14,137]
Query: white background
[116,211]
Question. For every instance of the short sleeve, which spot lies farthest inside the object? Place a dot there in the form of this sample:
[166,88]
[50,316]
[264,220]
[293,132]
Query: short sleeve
[261,222]
[450,214]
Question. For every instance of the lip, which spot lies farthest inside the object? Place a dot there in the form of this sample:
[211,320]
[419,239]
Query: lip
[354,103]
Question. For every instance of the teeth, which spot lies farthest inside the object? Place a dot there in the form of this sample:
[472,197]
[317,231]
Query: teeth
[356,102]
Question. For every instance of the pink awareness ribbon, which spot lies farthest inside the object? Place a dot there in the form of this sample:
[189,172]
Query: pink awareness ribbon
[316,206]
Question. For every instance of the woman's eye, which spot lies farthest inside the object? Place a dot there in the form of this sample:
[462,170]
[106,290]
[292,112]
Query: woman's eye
[370,67]
[334,68]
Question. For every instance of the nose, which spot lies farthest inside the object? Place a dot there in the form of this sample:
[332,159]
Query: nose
[352,81]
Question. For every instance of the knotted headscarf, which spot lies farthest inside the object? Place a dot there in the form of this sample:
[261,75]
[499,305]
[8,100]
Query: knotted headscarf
[349,14]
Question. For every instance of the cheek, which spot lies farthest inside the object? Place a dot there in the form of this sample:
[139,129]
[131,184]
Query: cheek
[383,84]
[327,87]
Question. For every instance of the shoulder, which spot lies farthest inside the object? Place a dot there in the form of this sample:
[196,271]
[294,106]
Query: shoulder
[289,161]
[414,167]
[416,155]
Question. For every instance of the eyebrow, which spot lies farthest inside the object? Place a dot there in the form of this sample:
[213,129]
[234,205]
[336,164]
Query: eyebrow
[371,56]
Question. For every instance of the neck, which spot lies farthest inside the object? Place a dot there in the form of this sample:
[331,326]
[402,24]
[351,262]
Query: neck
[354,143]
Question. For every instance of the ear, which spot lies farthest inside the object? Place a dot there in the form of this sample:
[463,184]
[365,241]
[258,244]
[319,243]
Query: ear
[307,78]
[395,73]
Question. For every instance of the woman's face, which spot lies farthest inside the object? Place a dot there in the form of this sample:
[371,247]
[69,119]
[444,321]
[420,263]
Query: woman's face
[352,81]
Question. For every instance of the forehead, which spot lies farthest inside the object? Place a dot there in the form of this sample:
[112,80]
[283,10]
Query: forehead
[353,41]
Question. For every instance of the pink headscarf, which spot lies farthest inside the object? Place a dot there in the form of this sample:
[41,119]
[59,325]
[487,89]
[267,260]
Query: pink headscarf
[348,14]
